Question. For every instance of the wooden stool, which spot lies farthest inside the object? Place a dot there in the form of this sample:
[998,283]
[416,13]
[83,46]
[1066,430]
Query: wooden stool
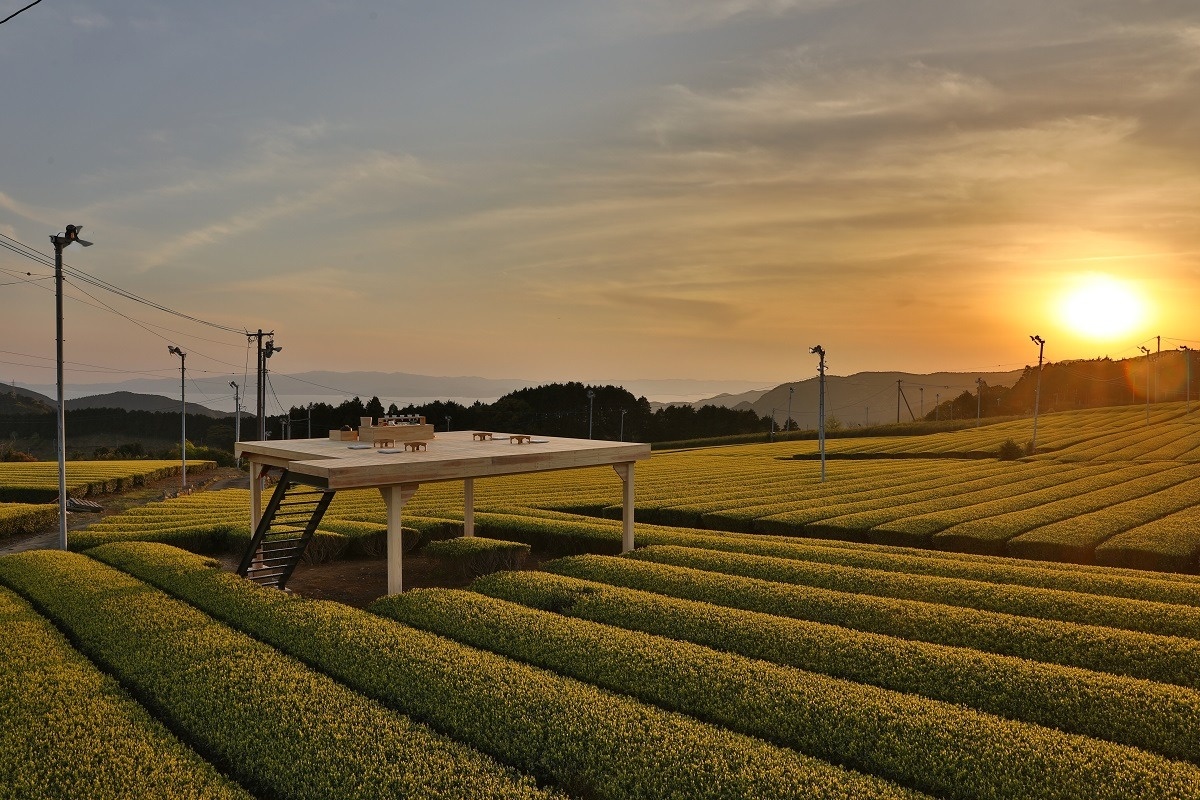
[384,443]
[481,436]
[518,438]
[414,446]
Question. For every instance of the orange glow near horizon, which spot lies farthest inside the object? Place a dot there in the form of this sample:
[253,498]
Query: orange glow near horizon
[1102,308]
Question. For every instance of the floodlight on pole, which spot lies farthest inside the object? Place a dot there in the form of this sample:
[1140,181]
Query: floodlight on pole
[820,352]
[1037,393]
[447,423]
[788,425]
[1187,356]
[978,400]
[182,413]
[1146,350]
[591,399]
[621,435]
[60,242]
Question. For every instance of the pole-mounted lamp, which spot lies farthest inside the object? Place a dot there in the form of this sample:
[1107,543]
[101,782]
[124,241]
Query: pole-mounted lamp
[60,242]
[1037,393]
[182,413]
[820,352]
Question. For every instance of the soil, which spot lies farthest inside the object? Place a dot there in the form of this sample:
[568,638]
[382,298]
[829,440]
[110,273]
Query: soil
[355,582]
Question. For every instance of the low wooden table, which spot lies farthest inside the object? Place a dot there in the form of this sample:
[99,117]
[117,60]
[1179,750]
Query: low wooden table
[519,438]
[414,446]
[481,436]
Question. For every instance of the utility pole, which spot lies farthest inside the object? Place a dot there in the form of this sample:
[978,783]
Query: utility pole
[1157,359]
[1187,355]
[60,242]
[922,390]
[182,413]
[310,420]
[820,351]
[264,352]
[937,402]
[1037,393]
[591,400]
[772,424]
[621,435]
[978,400]
[897,402]
[237,417]
[1146,350]
[788,425]
[447,424]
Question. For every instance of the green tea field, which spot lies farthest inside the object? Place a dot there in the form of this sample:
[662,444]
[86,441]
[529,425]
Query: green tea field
[771,636]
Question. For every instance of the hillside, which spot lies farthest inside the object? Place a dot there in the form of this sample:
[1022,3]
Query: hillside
[132,401]
[21,401]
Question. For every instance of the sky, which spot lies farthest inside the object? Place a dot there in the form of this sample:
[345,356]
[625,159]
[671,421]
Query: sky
[601,190]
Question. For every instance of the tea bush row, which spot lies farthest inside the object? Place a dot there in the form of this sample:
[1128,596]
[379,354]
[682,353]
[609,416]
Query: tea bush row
[590,742]
[1153,716]
[940,748]
[1167,659]
[68,731]
[277,727]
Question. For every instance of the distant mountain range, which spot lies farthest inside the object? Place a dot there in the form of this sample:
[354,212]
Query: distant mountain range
[18,400]
[862,398]
[858,399]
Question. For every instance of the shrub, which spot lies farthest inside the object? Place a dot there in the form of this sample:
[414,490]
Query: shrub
[1010,451]
[470,557]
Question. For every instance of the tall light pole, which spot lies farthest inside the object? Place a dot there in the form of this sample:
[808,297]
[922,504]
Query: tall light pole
[820,351]
[788,425]
[263,354]
[60,242]
[772,424]
[182,413]
[937,406]
[237,416]
[978,400]
[1187,355]
[1146,350]
[591,401]
[447,424]
[621,435]
[1037,393]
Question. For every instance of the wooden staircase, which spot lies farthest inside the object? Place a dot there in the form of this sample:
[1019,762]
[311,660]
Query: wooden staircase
[288,523]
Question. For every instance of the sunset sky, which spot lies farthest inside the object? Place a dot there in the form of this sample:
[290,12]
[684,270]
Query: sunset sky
[602,190]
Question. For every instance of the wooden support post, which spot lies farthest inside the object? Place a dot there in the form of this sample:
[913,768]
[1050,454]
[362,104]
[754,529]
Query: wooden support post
[394,497]
[625,472]
[256,485]
[469,507]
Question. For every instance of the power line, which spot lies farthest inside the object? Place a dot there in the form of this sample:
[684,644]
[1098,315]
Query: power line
[34,254]
[18,11]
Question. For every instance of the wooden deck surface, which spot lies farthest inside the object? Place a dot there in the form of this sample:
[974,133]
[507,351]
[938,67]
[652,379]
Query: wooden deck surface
[453,455]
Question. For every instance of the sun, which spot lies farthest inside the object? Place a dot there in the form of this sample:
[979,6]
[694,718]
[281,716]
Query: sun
[1102,307]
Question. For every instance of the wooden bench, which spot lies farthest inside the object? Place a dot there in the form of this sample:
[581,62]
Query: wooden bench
[518,438]
[384,443]
[481,436]
[414,446]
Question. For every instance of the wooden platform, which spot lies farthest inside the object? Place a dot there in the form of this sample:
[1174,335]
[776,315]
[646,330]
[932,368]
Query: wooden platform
[451,456]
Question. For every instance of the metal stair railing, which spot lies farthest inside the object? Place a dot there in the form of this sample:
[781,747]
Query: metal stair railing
[284,531]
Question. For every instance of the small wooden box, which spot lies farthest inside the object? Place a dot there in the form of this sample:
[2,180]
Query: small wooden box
[343,436]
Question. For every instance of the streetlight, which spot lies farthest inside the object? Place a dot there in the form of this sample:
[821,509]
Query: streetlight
[237,417]
[591,400]
[1146,350]
[60,242]
[1037,393]
[772,425]
[621,435]
[182,412]
[447,424]
[788,424]
[1187,355]
[820,351]
[978,400]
